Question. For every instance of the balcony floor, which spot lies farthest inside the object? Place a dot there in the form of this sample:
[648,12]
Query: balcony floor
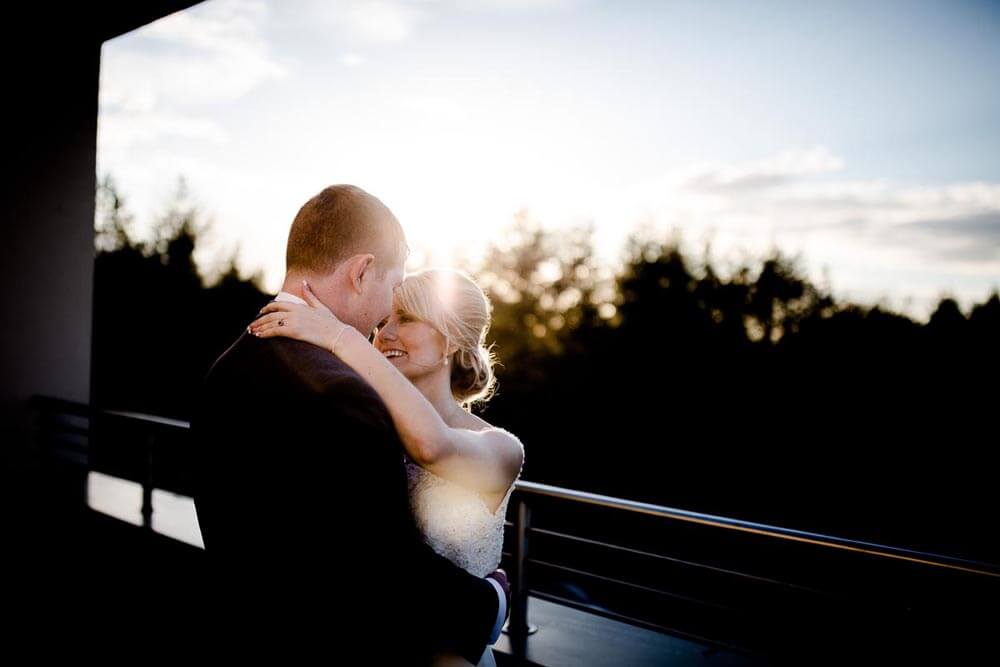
[567,636]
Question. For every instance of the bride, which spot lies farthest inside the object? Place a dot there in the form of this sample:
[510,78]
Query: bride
[429,365]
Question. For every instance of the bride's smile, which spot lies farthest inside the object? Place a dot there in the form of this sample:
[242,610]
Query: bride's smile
[412,345]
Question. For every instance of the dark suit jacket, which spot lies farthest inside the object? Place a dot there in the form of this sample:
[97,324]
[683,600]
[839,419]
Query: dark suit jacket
[302,502]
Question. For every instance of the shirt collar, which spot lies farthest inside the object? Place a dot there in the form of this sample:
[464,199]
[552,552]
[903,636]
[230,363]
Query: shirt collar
[285,296]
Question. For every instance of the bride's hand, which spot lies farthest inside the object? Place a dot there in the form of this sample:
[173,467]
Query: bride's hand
[313,323]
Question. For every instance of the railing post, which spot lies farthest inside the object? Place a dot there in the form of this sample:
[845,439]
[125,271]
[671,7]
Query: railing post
[518,626]
[147,485]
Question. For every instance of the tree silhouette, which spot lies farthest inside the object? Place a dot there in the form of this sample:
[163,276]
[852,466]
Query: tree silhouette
[157,327]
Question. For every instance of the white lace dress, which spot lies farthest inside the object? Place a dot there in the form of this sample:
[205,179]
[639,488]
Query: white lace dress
[456,522]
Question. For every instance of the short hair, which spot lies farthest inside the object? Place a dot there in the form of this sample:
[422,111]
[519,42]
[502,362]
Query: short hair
[338,223]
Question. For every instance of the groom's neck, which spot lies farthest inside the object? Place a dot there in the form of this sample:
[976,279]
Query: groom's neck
[293,285]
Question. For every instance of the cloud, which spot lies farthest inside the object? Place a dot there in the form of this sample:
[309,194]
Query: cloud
[352,59]
[969,239]
[755,175]
[161,82]
[518,5]
[164,83]
[953,228]
[438,108]
[883,195]
[210,54]
[397,20]
[950,227]
[123,130]
[372,20]
[877,238]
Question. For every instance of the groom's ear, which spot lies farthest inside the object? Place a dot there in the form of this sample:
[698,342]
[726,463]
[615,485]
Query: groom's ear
[357,267]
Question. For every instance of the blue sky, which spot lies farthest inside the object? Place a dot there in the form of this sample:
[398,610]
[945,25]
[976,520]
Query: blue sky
[863,136]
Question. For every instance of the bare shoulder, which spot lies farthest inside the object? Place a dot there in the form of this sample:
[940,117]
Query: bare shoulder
[507,442]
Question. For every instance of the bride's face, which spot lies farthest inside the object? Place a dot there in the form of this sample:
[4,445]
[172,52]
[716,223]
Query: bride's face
[411,345]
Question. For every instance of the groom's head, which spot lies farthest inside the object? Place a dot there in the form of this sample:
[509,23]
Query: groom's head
[351,249]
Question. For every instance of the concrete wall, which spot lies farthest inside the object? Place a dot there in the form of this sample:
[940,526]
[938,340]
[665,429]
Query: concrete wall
[47,237]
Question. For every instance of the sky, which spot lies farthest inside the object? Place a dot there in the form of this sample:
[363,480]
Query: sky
[863,138]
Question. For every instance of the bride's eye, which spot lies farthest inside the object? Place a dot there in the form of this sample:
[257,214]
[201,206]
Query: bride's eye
[382,324]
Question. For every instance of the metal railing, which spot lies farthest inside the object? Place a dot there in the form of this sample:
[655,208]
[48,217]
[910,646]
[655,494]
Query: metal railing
[526,493]
[519,627]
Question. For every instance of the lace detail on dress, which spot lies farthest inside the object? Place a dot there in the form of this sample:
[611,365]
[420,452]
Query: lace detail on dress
[455,520]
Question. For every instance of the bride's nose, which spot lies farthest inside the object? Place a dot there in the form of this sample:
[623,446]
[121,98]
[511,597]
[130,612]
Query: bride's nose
[388,332]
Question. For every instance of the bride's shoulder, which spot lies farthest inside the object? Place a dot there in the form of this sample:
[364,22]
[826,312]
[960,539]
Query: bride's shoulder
[479,424]
[511,443]
[513,446]
[511,436]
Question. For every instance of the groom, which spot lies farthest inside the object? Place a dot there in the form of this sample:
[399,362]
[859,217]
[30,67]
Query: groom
[302,492]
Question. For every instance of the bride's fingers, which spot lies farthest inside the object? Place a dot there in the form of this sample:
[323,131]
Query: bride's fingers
[267,332]
[312,299]
[271,319]
[272,328]
[278,306]
[263,319]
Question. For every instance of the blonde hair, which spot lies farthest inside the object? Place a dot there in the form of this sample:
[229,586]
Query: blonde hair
[452,302]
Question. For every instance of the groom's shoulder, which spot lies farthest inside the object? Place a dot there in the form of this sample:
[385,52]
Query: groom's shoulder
[310,363]
[294,359]
[310,369]
[334,382]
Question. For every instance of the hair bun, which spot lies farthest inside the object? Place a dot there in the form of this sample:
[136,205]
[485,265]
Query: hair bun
[472,377]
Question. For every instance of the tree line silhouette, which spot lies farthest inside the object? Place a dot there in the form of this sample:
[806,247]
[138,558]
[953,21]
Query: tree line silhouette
[754,394]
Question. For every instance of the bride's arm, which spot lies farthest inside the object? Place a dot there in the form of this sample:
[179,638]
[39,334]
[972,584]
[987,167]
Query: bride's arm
[486,460]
